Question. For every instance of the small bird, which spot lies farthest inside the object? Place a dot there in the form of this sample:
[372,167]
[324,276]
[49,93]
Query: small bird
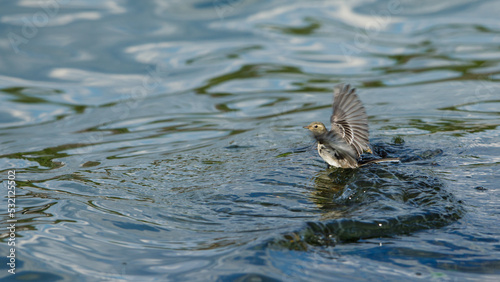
[343,145]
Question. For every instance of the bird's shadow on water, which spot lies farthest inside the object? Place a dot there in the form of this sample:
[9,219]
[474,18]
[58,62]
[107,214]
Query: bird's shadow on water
[383,199]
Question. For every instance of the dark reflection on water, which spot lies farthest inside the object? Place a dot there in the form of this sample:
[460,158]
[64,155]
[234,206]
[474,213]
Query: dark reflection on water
[375,201]
[163,140]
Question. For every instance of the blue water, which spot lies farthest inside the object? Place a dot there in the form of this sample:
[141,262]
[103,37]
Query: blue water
[163,140]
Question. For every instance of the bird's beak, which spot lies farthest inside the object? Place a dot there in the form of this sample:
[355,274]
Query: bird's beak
[306,127]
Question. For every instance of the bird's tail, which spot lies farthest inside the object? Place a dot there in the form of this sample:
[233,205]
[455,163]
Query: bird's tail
[379,161]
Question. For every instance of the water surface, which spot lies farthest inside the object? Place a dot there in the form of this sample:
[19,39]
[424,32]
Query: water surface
[164,141]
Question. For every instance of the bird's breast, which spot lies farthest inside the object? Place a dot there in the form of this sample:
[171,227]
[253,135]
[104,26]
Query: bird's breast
[334,158]
[331,156]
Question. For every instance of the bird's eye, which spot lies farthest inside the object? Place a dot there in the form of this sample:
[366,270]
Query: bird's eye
[315,126]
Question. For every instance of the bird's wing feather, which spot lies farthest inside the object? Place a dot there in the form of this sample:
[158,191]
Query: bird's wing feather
[349,118]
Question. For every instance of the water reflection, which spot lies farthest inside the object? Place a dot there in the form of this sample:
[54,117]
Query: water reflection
[378,200]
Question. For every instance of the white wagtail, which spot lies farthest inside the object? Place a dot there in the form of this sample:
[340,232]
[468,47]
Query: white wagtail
[343,145]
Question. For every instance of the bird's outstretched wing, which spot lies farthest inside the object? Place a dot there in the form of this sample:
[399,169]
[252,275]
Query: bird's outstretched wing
[349,118]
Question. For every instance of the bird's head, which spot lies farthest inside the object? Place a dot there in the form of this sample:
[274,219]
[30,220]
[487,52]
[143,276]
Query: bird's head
[317,128]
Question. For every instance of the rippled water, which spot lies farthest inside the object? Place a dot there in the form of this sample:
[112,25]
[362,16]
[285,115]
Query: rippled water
[163,140]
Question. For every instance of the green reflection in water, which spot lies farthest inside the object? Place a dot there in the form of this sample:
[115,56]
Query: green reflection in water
[44,157]
[248,71]
[312,25]
[459,127]
[26,95]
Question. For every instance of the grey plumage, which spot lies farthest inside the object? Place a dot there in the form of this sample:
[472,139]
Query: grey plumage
[348,138]
[349,118]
